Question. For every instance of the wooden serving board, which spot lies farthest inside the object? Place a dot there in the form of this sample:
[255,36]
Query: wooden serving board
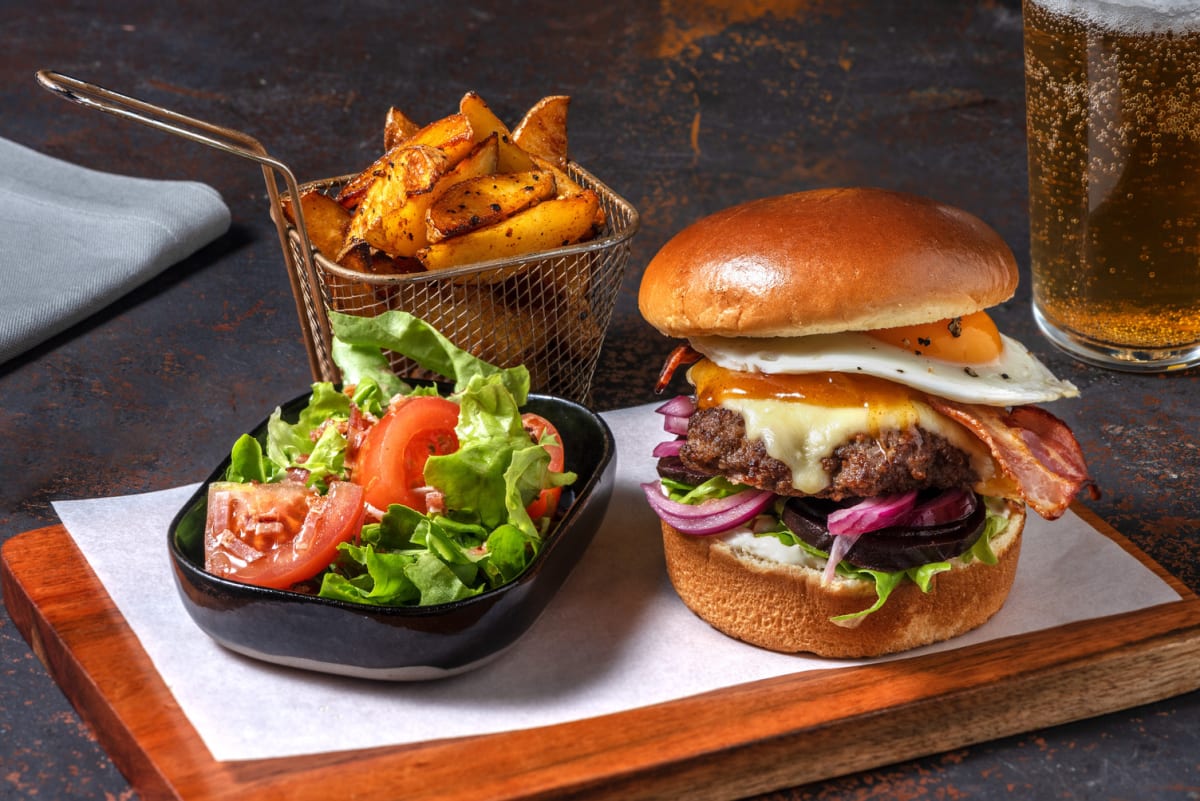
[725,744]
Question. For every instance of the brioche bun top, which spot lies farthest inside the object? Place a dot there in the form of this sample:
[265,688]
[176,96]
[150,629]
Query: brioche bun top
[825,261]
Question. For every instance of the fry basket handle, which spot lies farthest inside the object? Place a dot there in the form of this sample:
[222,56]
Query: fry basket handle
[220,138]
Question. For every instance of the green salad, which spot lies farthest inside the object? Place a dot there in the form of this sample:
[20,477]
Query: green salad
[388,493]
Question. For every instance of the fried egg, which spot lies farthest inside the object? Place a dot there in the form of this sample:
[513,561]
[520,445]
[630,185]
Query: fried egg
[965,359]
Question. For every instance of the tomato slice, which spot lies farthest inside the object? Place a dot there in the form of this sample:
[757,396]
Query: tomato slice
[278,535]
[390,466]
[539,427]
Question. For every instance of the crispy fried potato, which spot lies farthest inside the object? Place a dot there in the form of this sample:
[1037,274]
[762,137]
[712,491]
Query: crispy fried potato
[325,219]
[488,199]
[461,191]
[397,127]
[543,131]
[352,192]
[452,135]
[388,216]
[361,257]
[392,217]
[357,255]
[466,189]
[484,122]
[568,186]
[482,160]
[550,224]
[348,295]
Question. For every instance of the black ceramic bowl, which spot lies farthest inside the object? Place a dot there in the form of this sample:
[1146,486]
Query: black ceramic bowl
[408,643]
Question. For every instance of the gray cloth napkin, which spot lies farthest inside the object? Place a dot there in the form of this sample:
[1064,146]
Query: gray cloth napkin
[72,240]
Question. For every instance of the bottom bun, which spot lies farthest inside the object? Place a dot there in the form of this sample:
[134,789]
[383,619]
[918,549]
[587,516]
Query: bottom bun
[785,607]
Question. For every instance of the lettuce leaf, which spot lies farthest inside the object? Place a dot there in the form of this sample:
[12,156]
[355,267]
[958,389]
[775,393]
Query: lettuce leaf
[712,489]
[247,462]
[496,471]
[399,331]
[411,559]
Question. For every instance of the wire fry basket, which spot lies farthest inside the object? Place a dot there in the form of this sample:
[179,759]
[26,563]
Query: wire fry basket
[548,311]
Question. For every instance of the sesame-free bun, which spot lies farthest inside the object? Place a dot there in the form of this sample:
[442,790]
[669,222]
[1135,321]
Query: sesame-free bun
[785,607]
[824,261]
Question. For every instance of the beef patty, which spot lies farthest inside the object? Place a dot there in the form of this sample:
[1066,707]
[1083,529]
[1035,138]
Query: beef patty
[866,466]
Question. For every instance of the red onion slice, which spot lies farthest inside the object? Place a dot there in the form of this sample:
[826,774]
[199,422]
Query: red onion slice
[945,507]
[675,414]
[841,547]
[872,514]
[674,424]
[660,502]
[671,447]
[710,517]
[678,406]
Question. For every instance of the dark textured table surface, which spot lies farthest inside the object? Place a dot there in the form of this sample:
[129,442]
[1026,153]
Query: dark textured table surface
[683,106]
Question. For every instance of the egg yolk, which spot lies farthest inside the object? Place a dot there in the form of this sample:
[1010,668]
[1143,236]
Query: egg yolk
[973,339]
[715,385]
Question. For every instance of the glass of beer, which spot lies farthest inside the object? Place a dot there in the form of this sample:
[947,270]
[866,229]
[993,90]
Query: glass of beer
[1112,90]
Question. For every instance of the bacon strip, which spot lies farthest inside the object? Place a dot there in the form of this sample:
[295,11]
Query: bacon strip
[1032,446]
[683,354]
[357,427]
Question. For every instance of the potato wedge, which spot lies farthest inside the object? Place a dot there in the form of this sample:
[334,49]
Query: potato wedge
[483,160]
[352,191]
[568,186]
[550,224]
[361,257]
[452,135]
[488,199]
[325,219]
[397,127]
[543,130]
[391,216]
[484,122]
[356,255]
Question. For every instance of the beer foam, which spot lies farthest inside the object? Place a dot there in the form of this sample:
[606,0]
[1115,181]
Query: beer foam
[1130,16]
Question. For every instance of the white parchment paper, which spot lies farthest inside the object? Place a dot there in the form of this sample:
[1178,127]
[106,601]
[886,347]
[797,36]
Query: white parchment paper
[615,638]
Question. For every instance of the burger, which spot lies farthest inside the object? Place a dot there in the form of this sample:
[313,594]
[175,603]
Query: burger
[851,472]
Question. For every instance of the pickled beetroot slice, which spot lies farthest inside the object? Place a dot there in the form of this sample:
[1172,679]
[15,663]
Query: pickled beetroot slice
[893,548]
